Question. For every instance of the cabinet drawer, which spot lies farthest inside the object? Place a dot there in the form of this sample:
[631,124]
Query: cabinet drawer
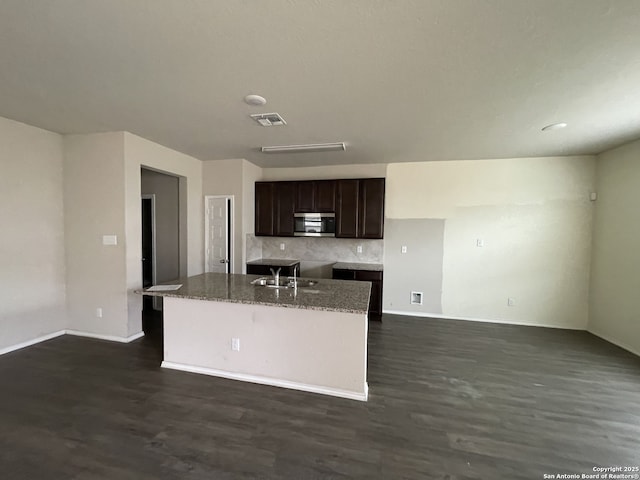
[368,276]
[339,274]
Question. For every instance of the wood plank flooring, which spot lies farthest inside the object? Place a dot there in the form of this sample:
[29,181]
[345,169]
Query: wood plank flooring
[448,400]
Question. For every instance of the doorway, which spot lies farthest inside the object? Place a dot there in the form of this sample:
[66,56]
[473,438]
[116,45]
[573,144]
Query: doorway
[218,241]
[162,245]
[149,249]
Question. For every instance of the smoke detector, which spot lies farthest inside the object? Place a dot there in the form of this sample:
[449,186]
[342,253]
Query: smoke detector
[269,119]
[255,100]
[554,126]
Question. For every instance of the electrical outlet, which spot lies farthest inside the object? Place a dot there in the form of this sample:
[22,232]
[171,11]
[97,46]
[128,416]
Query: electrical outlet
[479,242]
[282,246]
[359,249]
[235,344]
[99,312]
[403,249]
[511,302]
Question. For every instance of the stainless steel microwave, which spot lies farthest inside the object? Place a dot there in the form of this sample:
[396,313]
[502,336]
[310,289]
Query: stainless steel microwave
[314,224]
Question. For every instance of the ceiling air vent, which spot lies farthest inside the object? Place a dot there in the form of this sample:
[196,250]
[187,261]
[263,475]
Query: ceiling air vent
[269,119]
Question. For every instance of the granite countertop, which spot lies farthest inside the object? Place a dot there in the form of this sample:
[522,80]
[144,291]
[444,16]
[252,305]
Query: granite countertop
[329,295]
[372,267]
[275,262]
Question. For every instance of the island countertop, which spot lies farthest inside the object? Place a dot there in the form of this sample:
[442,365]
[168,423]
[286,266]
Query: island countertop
[328,295]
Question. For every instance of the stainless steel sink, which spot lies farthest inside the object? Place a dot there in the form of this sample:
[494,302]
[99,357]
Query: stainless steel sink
[283,282]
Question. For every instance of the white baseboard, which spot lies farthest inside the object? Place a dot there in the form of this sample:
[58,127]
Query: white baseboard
[484,320]
[610,339]
[111,338]
[28,343]
[271,381]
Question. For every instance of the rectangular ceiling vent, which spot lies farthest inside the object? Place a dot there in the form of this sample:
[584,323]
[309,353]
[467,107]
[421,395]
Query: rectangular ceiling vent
[269,119]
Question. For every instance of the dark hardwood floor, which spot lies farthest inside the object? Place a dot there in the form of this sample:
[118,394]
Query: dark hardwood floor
[448,400]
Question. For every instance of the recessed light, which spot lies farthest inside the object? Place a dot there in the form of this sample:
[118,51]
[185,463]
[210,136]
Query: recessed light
[255,100]
[554,126]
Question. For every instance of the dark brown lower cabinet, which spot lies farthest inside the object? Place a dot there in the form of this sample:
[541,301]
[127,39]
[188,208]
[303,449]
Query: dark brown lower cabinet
[287,271]
[375,302]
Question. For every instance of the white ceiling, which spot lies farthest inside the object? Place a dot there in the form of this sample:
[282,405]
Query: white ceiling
[398,80]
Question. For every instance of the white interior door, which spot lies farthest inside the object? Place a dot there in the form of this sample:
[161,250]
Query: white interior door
[218,234]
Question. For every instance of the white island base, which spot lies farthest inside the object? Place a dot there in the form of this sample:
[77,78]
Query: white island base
[303,349]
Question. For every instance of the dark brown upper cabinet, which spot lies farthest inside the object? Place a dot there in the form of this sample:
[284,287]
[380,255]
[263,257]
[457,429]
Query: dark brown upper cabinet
[305,197]
[264,208]
[360,208]
[325,196]
[371,208]
[316,196]
[357,203]
[274,208]
[347,214]
[284,199]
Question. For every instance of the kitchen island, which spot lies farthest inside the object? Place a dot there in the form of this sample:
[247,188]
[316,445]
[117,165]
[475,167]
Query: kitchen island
[306,338]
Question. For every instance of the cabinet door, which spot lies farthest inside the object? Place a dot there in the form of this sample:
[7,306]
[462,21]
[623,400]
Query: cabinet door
[264,208]
[305,197]
[371,215]
[285,200]
[347,208]
[291,270]
[375,301]
[325,196]
[258,270]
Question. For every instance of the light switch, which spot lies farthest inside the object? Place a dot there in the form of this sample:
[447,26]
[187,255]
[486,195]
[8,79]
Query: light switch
[109,239]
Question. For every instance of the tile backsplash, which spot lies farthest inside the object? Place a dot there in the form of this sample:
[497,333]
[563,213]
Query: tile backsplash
[316,255]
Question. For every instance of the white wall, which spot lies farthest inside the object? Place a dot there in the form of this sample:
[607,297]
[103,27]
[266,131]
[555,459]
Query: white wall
[93,207]
[60,195]
[615,276]
[250,175]
[224,177]
[102,187]
[235,177]
[139,152]
[32,259]
[534,217]
[292,347]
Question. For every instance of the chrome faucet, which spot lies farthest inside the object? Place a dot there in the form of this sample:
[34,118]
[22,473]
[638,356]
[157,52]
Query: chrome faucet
[276,276]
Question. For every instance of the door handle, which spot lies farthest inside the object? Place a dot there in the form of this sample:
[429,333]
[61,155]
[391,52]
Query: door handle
[224,261]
